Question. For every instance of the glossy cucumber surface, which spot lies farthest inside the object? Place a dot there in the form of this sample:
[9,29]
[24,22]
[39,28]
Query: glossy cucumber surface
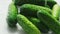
[27,25]
[31,10]
[49,20]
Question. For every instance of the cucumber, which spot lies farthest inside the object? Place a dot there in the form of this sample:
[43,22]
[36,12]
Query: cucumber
[56,11]
[39,24]
[12,15]
[31,10]
[49,20]
[51,3]
[27,25]
[36,2]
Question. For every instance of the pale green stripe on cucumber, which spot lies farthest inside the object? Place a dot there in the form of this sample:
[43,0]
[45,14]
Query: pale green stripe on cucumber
[12,15]
[49,20]
[27,25]
[31,10]
[56,11]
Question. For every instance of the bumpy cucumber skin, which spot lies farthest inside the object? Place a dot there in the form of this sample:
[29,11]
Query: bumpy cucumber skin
[36,2]
[56,11]
[28,26]
[31,10]
[49,20]
[39,24]
[12,15]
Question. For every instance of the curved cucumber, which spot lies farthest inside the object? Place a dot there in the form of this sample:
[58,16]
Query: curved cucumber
[49,20]
[31,10]
[12,15]
[56,11]
[28,26]
[39,24]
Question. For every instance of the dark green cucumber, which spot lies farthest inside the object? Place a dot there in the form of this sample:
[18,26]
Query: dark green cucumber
[12,15]
[36,2]
[56,11]
[31,10]
[39,24]
[51,3]
[49,20]
[27,25]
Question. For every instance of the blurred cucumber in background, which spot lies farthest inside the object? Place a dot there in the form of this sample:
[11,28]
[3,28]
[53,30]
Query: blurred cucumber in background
[50,3]
[12,15]
[56,11]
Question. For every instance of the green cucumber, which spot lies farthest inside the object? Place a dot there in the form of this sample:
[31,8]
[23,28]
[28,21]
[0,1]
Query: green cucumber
[36,2]
[56,11]
[31,10]
[39,24]
[27,25]
[49,20]
[51,3]
[12,15]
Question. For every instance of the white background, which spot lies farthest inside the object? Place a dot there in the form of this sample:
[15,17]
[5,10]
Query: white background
[4,29]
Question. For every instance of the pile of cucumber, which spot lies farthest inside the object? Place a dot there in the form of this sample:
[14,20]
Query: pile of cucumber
[35,17]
